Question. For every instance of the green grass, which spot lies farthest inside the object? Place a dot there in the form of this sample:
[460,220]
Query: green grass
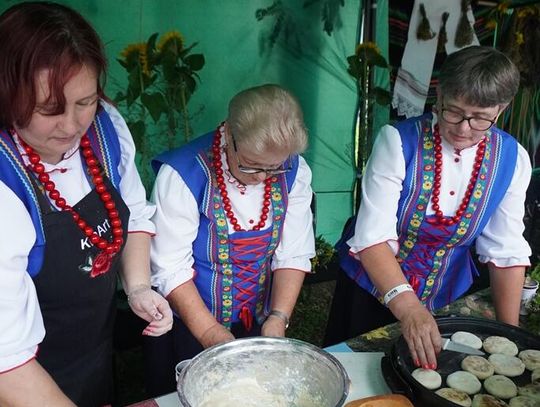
[308,323]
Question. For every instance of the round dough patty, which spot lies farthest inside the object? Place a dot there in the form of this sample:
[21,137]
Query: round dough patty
[522,401]
[535,376]
[500,344]
[455,396]
[500,386]
[487,400]
[467,338]
[506,365]
[531,358]
[428,378]
[478,366]
[530,390]
[464,381]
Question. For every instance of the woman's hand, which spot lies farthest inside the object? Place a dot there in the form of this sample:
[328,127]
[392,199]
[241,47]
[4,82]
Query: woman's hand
[152,307]
[419,330]
[273,326]
[217,333]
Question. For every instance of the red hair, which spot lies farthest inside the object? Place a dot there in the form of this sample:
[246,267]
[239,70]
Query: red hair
[37,36]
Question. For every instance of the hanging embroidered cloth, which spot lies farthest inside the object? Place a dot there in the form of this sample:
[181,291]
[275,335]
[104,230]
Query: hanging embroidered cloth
[413,77]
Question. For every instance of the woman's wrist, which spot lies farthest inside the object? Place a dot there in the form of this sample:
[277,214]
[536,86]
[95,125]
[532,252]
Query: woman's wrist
[280,315]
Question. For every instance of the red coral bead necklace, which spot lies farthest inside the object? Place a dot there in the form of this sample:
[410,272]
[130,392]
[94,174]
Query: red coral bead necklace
[218,168]
[108,249]
[439,216]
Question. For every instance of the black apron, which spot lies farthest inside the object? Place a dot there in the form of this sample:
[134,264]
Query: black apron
[78,310]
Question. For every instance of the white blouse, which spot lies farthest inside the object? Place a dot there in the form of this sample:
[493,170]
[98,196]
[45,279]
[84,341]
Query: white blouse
[177,223]
[21,323]
[501,242]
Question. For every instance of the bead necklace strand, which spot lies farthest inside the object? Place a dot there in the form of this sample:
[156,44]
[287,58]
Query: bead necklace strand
[218,168]
[110,249]
[439,217]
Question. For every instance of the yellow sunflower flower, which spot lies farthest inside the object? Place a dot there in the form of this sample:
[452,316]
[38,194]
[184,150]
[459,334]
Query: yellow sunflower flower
[415,223]
[408,244]
[171,40]
[227,303]
[134,52]
[221,222]
[427,185]
[440,252]
[366,46]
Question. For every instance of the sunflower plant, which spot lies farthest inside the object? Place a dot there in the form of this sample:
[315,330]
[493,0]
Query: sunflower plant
[366,57]
[162,76]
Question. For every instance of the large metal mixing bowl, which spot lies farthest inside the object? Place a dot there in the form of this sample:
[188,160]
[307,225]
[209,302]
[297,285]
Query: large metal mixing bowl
[270,372]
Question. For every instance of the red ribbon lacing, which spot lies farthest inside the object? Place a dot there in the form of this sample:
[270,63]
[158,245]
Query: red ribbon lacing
[248,276]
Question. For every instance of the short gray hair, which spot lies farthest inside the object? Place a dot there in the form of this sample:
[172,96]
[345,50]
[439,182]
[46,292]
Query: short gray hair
[267,117]
[480,76]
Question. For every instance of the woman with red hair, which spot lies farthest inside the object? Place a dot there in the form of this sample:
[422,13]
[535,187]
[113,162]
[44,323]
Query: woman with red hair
[74,214]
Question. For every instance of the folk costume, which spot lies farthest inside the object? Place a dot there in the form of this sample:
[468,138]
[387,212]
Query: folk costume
[59,277]
[482,191]
[230,261]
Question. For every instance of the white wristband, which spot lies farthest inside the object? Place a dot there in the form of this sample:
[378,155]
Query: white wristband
[394,292]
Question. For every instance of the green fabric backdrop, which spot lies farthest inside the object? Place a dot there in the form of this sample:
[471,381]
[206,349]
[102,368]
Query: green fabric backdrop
[237,57]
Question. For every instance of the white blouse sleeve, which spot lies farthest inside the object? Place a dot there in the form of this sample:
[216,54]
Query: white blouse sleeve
[297,243]
[177,222]
[381,187]
[21,323]
[502,242]
[131,187]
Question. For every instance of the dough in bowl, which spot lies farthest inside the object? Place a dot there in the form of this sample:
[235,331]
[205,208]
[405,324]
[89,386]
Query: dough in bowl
[486,400]
[522,401]
[506,365]
[500,344]
[467,338]
[500,386]
[531,358]
[455,396]
[428,378]
[478,366]
[464,381]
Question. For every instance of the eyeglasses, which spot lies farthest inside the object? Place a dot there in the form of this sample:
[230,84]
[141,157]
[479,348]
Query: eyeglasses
[254,170]
[475,123]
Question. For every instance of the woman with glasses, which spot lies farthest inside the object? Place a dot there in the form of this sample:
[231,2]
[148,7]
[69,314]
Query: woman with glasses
[435,187]
[235,232]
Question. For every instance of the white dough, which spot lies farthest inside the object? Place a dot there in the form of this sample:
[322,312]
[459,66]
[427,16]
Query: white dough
[455,396]
[531,358]
[478,366]
[428,378]
[522,401]
[506,365]
[467,338]
[530,390]
[464,381]
[500,386]
[500,344]
[487,400]
[535,376]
